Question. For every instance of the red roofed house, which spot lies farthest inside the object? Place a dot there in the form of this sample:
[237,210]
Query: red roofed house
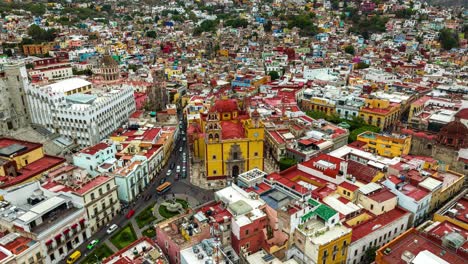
[228,142]
[97,194]
[91,158]
[23,161]
[15,248]
[421,246]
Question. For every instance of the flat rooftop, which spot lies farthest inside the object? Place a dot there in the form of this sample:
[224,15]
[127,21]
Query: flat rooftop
[414,242]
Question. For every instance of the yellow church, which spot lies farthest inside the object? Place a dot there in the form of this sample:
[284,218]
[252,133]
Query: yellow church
[227,140]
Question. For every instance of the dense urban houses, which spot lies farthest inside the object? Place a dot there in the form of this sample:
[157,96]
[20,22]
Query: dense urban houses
[233,131]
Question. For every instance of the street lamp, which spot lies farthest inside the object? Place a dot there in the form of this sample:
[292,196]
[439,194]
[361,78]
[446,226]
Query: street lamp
[97,259]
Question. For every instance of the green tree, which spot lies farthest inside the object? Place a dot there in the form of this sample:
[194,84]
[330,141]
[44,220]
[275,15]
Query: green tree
[268,25]
[206,26]
[237,23]
[36,9]
[151,34]
[448,39]
[316,114]
[349,49]
[305,24]
[274,75]
[39,35]
[192,16]
[369,255]
[286,163]
[107,8]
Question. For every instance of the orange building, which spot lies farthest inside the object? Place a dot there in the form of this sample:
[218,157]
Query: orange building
[37,49]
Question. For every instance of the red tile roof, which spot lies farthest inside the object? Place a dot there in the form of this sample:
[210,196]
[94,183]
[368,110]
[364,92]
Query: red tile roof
[92,184]
[32,169]
[416,242]
[414,192]
[361,172]
[382,195]
[5,142]
[94,149]
[231,130]
[349,186]
[365,228]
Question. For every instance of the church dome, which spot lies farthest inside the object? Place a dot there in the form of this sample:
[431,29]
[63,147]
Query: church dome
[454,135]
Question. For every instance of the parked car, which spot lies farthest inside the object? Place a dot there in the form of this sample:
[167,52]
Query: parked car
[112,228]
[180,149]
[130,214]
[92,244]
[172,166]
[178,169]
[168,173]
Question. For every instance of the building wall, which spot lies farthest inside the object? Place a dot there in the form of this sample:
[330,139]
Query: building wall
[88,126]
[418,208]
[102,204]
[338,246]
[347,194]
[14,110]
[91,162]
[376,207]
[34,252]
[440,196]
[445,156]
[376,238]
[133,183]
[250,237]
[29,157]
[387,146]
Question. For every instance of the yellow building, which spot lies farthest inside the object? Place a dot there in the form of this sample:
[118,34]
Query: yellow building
[326,240]
[450,183]
[319,104]
[227,140]
[174,70]
[386,145]
[380,113]
[23,161]
[455,210]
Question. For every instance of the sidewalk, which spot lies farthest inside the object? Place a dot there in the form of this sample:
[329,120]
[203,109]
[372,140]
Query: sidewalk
[110,245]
[135,227]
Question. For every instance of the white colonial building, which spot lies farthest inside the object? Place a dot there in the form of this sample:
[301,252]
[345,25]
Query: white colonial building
[79,112]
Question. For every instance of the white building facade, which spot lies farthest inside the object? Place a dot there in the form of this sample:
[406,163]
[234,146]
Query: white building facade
[72,109]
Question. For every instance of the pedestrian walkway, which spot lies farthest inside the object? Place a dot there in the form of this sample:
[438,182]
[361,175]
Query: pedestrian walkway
[135,227]
[111,246]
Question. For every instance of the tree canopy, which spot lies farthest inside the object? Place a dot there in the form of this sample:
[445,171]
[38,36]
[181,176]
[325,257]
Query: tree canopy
[39,35]
[206,26]
[274,75]
[349,49]
[448,39]
[305,24]
[286,163]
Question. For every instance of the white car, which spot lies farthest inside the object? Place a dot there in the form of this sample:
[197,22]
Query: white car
[112,228]
[178,169]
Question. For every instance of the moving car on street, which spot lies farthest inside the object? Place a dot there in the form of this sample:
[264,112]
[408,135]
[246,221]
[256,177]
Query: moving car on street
[92,244]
